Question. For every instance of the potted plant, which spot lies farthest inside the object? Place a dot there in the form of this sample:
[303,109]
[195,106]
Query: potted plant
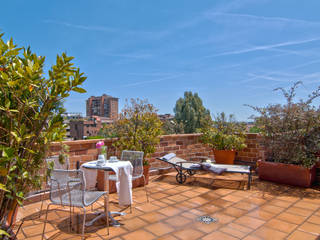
[225,136]
[31,108]
[138,129]
[291,134]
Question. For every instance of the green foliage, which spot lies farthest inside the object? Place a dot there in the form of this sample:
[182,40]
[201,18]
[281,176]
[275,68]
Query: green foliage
[138,128]
[291,131]
[190,112]
[225,133]
[30,117]
[95,137]
[254,129]
[108,131]
[172,127]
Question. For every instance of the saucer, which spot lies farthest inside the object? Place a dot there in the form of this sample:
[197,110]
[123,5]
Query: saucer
[113,160]
[100,163]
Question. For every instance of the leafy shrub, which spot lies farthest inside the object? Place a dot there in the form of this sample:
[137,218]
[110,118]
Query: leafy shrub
[225,133]
[172,127]
[138,128]
[31,108]
[254,129]
[291,131]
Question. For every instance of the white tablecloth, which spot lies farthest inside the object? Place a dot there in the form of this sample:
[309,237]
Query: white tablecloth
[123,172]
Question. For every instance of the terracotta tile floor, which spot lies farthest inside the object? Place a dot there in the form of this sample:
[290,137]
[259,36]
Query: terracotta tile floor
[267,211]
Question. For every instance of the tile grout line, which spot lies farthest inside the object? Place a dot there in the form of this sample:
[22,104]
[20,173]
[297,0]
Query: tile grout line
[298,225]
[291,203]
[306,220]
[247,234]
[120,235]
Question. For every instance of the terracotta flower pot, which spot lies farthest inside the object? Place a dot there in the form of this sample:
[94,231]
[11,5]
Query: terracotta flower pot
[286,173]
[224,156]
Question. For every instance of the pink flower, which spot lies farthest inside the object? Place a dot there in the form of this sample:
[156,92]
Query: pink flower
[99,144]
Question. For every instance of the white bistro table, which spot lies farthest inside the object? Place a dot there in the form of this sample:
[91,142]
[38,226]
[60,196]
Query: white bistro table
[107,167]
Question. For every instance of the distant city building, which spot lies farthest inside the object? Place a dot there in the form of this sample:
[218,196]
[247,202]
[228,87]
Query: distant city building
[87,127]
[103,106]
[165,117]
[67,117]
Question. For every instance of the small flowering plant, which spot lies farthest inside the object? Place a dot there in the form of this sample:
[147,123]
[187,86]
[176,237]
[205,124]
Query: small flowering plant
[100,145]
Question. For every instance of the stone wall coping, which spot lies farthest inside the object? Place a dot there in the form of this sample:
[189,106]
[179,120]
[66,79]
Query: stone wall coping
[75,142]
[182,135]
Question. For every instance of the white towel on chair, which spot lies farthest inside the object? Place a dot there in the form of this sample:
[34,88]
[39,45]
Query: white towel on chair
[123,171]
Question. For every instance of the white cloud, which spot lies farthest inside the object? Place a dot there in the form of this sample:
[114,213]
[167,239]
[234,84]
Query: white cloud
[82,27]
[133,55]
[152,81]
[247,17]
[264,47]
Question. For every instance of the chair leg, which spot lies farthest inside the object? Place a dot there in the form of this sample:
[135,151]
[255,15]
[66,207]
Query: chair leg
[145,187]
[15,236]
[45,221]
[83,222]
[71,218]
[249,181]
[106,210]
[42,199]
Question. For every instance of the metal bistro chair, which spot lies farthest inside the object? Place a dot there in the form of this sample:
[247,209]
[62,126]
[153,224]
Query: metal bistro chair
[54,160]
[67,188]
[136,159]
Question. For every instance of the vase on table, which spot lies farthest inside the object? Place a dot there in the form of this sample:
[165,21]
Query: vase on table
[101,159]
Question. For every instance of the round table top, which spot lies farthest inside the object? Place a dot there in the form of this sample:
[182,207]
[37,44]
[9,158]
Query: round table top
[107,166]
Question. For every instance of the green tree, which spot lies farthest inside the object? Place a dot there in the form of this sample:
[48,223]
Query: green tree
[138,128]
[108,131]
[30,119]
[191,113]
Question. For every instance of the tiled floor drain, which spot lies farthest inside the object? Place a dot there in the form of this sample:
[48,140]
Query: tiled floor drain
[207,219]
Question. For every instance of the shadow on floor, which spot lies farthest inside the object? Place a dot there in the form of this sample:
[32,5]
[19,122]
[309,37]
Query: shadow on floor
[211,183]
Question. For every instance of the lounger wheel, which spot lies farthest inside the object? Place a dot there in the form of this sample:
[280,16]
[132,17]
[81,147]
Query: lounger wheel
[191,172]
[181,178]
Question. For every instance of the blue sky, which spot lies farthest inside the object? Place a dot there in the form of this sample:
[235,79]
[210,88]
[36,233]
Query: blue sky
[230,52]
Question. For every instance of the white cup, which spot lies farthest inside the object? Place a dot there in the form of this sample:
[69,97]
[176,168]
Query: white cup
[113,158]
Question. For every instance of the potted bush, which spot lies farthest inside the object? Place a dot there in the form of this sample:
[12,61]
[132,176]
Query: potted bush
[138,129]
[30,119]
[291,134]
[225,136]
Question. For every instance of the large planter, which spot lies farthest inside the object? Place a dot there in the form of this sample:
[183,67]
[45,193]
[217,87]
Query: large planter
[286,173]
[224,156]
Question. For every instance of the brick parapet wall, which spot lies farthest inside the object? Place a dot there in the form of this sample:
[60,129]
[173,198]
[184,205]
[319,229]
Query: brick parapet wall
[183,145]
[83,150]
[254,150]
